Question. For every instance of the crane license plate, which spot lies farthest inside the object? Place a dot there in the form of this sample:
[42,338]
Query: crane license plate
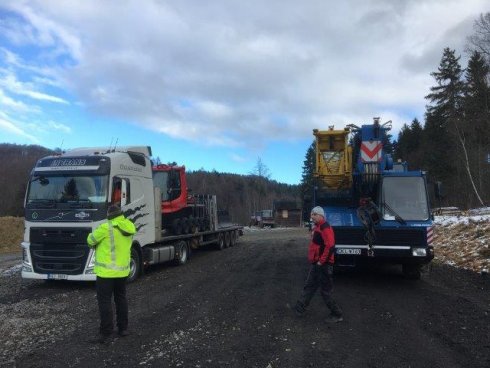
[349,251]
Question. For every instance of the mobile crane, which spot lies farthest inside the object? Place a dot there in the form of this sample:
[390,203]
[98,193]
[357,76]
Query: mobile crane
[379,209]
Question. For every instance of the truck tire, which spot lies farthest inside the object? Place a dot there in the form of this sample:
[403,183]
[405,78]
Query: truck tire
[221,242]
[411,271]
[134,265]
[181,253]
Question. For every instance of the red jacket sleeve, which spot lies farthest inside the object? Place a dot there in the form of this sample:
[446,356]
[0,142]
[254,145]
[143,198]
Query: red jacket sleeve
[329,241]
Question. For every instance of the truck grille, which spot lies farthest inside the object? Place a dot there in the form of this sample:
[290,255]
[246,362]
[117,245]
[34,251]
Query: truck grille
[401,237]
[59,250]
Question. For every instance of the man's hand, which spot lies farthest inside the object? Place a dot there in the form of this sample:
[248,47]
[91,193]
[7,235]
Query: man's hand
[319,263]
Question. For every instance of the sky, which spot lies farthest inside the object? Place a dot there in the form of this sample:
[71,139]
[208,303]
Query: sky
[219,84]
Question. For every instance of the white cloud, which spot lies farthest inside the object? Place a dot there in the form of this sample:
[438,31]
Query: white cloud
[59,127]
[11,127]
[10,83]
[11,104]
[250,71]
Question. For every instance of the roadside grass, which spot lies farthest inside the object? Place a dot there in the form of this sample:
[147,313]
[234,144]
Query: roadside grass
[11,234]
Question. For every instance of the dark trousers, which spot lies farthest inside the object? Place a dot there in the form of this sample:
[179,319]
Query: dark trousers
[319,276]
[106,287]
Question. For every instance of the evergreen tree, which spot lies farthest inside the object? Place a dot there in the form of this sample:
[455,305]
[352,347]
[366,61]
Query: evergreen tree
[477,120]
[442,143]
[409,144]
[308,180]
[447,96]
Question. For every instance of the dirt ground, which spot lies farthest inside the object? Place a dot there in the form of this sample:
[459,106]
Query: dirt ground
[230,309]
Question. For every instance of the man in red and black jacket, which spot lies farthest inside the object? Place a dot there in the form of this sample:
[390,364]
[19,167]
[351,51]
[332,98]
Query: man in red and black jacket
[321,258]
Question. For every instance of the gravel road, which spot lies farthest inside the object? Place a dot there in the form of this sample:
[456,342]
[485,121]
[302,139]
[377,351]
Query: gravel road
[230,309]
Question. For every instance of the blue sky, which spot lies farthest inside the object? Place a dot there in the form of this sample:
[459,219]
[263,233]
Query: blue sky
[216,85]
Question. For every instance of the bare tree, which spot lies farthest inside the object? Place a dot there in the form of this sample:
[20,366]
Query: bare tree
[261,170]
[480,39]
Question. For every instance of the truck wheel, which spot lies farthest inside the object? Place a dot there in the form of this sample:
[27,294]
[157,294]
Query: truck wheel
[177,227]
[221,242]
[411,271]
[134,265]
[181,253]
[227,239]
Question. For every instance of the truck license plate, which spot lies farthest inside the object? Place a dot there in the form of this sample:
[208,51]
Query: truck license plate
[56,276]
[349,251]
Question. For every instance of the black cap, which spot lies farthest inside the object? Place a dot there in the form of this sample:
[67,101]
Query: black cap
[113,212]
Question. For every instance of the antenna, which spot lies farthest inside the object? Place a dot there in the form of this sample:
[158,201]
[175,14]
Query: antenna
[110,146]
[115,144]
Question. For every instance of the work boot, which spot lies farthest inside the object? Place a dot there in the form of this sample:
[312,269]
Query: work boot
[333,318]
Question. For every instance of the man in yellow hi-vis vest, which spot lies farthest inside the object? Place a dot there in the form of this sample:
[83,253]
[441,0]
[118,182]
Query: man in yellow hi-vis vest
[112,242]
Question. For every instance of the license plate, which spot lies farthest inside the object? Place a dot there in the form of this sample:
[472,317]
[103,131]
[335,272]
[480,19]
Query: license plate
[349,251]
[56,276]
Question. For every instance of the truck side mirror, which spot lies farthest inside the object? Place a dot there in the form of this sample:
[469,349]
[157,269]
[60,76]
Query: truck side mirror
[438,190]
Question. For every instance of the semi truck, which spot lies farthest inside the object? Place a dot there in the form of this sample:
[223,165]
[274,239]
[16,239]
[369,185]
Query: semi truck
[379,210]
[68,196]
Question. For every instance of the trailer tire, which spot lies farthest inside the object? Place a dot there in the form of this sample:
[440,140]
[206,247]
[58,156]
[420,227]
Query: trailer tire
[221,242]
[233,238]
[411,271]
[182,253]
[134,265]
[227,239]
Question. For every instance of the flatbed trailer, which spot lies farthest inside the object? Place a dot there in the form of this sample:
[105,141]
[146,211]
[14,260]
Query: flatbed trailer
[68,197]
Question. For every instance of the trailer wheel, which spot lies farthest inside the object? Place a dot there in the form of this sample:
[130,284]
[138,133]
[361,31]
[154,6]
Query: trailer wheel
[182,253]
[411,271]
[134,265]
[177,227]
[221,242]
[227,239]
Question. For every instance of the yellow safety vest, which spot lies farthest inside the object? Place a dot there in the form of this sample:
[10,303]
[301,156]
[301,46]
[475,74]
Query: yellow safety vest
[112,241]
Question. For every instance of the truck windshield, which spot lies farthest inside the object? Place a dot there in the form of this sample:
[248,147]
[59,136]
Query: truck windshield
[160,179]
[404,197]
[53,189]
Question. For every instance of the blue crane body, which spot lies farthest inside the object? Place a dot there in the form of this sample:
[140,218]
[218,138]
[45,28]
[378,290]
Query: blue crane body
[379,209]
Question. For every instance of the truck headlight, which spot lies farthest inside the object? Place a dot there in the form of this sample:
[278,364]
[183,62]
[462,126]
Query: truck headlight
[419,252]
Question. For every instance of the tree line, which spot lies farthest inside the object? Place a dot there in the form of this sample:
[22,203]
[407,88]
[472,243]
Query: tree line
[453,144]
[239,195]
